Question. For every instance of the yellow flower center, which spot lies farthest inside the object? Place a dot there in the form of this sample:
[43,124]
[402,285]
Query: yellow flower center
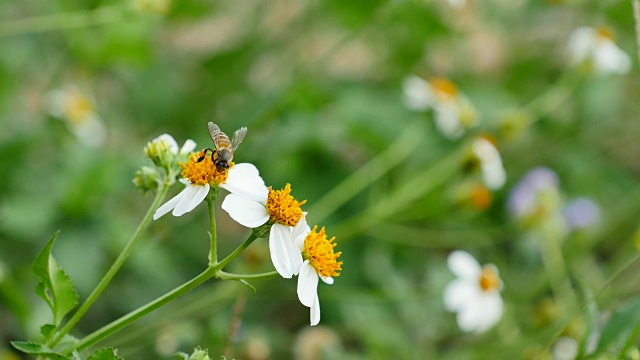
[489,279]
[284,208]
[77,107]
[319,251]
[204,171]
[481,197]
[445,89]
[603,33]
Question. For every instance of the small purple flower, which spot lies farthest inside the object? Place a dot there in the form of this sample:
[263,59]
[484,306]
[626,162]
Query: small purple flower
[581,213]
[523,197]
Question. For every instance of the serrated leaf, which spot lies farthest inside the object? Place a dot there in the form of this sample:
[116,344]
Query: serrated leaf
[55,286]
[47,330]
[37,349]
[105,354]
[620,328]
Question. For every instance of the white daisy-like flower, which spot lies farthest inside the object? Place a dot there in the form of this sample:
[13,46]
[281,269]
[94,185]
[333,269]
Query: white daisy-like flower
[493,173]
[199,174]
[596,47]
[167,141]
[453,112]
[78,110]
[475,294]
[262,205]
[320,261]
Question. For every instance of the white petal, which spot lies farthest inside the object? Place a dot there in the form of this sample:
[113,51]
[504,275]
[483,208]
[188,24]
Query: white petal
[307,284]
[171,142]
[246,212]
[493,174]
[286,258]
[244,179]
[456,294]
[447,118]
[315,311]
[580,44]
[169,205]
[463,265]
[194,194]
[417,93]
[91,131]
[469,317]
[188,147]
[300,232]
[327,280]
[492,309]
[609,58]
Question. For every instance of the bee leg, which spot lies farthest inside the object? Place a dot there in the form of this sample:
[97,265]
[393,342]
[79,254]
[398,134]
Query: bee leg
[205,154]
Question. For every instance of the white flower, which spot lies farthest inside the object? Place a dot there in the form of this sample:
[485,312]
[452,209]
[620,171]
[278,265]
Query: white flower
[595,46]
[452,110]
[77,109]
[198,175]
[255,205]
[475,294]
[168,141]
[320,262]
[493,173]
[565,348]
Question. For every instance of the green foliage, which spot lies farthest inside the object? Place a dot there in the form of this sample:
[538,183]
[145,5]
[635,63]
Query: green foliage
[621,331]
[105,354]
[37,349]
[55,286]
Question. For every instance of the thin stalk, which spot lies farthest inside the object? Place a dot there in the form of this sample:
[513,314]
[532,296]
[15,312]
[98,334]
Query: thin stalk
[636,18]
[370,172]
[129,318]
[37,24]
[114,267]
[229,276]
[213,253]
[555,96]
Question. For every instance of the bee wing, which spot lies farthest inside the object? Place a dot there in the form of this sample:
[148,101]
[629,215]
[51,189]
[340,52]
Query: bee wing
[214,132]
[238,136]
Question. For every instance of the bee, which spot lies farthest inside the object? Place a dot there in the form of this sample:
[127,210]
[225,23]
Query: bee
[223,154]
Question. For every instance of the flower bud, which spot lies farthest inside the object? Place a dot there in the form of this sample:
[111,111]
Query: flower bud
[147,179]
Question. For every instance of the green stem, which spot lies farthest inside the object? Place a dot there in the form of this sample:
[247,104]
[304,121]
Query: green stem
[556,268]
[555,96]
[229,276]
[237,251]
[122,322]
[213,253]
[636,18]
[370,172]
[36,24]
[114,267]
[420,184]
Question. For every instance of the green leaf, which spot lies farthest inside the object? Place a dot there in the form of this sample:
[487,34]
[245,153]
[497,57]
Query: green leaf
[47,330]
[620,328]
[591,315]
[245,283]
[76,356]
[55,287]
[37,349]
[105,354]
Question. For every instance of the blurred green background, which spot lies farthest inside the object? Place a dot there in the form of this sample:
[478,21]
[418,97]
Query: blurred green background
[319,86]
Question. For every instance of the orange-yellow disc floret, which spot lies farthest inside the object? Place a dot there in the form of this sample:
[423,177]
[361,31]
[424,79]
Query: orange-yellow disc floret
[319,251]
[445,89]
[489,279]
[284,208]
[204,171]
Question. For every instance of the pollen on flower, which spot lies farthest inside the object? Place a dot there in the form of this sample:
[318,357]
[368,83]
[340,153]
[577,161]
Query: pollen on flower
[204,171]
[489,279]
[319,251]
[603,33]
[445,88]
[284,208]
[77,107]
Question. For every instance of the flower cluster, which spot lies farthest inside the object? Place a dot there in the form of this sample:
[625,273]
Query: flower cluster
[595,50]
[78,110]
[295,248]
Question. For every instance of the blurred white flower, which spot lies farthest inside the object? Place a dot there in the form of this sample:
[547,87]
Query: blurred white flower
[565,348]
[457,3]
[581,213]
[255,208]
[198,177]
[453,112]
[493,173]
[320,261]
[78,110]
[475,294]
[595,47]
